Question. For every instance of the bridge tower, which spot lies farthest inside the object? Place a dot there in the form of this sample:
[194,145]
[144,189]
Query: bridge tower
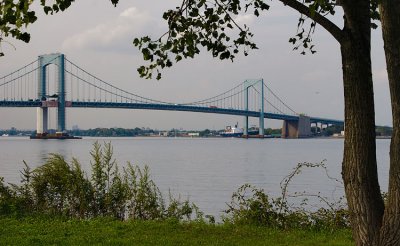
[247,85]
[42,112]
[300,128]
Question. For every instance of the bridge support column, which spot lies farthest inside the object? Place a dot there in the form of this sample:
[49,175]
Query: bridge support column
[261,121]
[246,127]
[42,120]
[297,128]
[247,85]
[261,126]
[45,60]
[61,94]
[246,107]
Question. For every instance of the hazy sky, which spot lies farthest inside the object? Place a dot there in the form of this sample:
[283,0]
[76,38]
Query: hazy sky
[98,37]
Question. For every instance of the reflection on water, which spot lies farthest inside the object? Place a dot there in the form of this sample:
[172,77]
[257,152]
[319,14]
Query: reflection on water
[207,171]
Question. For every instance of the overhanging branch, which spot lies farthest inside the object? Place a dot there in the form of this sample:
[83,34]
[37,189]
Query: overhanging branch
[317,17]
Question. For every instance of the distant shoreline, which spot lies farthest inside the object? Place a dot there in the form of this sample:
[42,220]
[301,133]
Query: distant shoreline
[188,137]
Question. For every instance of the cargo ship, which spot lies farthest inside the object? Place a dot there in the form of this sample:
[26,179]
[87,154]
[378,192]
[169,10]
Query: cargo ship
[232,132]
[237,132]
[57,135]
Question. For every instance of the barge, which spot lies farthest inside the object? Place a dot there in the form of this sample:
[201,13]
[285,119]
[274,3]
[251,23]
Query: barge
[57,135]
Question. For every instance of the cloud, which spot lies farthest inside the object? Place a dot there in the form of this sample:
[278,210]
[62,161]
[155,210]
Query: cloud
[247,19]
[115,35]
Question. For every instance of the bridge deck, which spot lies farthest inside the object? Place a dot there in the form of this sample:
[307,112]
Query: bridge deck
[172,107]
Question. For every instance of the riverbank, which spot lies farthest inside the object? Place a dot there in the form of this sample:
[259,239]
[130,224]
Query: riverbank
[57,231]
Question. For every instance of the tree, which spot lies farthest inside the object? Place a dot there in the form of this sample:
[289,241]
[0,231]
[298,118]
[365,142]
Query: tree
[390,19]
[210,24]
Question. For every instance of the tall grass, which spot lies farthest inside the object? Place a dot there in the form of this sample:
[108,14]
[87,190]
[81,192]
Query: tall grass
[63,188]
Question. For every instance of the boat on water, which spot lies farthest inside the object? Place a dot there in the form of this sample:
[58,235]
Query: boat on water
[253,131]
[232,131]
[235,131]
[57,135]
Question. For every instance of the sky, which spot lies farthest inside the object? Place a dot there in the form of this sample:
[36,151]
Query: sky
[98,37]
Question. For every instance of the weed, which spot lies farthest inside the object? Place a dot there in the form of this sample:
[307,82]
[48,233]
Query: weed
[60,188]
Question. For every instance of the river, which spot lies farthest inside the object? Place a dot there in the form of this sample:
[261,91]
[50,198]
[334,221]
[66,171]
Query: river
[205,170]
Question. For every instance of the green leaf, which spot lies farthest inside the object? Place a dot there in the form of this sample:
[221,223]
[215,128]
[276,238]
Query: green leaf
[178,58]
[256,13]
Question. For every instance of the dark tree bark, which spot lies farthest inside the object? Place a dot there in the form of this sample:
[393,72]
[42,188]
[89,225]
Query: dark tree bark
[390,19]
[359,168]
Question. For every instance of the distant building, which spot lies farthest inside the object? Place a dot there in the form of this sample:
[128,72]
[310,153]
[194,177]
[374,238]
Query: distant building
[163,134]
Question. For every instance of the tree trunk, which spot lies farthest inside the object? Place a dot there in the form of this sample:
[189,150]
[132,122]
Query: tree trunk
[359,168]
[390,19]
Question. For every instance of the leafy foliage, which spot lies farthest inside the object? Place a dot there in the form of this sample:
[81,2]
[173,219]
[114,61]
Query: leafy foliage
[51,184]
[192,25]
[17,15]
[195,24]
[145,199]
[303,38]
[5,198]
[251,205]
[63,189]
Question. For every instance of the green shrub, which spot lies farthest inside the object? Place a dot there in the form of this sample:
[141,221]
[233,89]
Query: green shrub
[63,189]
[14,199]
[144,198]
[252,206]
[53,186]
[5,198]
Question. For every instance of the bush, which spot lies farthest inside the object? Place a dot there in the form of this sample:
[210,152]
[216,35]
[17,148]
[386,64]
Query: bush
[252,206]
[63,189]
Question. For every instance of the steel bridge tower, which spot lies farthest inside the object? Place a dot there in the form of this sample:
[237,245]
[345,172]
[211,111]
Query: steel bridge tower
[42,112]
[247,84]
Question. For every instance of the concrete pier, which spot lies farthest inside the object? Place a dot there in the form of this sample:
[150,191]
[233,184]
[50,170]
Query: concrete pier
[297,128]
[42,120]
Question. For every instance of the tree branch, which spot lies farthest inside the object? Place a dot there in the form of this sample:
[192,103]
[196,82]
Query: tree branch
[317,17]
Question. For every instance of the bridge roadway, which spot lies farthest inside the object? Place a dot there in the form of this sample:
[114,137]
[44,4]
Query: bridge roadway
[171,107]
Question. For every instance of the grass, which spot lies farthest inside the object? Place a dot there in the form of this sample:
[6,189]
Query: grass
[104,231]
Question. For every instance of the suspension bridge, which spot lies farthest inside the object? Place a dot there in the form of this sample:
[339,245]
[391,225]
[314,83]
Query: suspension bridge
[53,81]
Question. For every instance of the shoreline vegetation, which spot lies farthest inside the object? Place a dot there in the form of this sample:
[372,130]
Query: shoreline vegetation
[58,203]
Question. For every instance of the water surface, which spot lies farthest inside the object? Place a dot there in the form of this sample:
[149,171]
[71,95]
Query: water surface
[207,170]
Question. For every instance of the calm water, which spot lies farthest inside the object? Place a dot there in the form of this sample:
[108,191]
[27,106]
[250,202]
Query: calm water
[207,171]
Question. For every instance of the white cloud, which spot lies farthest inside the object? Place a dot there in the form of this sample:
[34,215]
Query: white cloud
[114,34]
[245,19]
